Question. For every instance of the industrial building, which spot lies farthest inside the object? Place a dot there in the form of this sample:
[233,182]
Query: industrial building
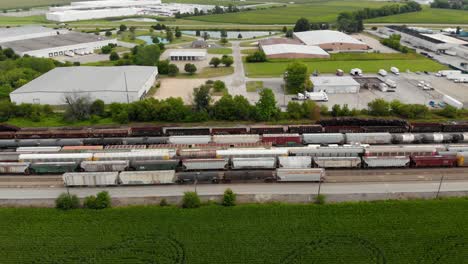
[288,51]
[187,55]
[122,84]
[58,44]
[27,32]
[330,40]
[335,84]
[119,8]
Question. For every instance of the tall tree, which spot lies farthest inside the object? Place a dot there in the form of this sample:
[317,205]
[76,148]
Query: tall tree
[302,24]
[201,98]
[295,77]
[266,109]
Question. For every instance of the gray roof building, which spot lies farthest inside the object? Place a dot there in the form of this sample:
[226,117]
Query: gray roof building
[111,84]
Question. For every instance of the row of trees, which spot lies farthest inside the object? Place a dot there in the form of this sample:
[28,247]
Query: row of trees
[450,4]
[394,42]
[303,24]
[353,21]
[225,59]
[216,10]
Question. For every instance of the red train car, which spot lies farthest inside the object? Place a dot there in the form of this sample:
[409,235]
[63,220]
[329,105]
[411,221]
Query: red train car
[433,161]
[69,133]
[301,129]
[109,132]
[146,131]
[7,135]
[266,130]
[282,139]
[229,130]
[30,134]
[426,127]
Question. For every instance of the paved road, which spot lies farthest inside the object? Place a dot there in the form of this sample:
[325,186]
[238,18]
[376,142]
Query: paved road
[258,189]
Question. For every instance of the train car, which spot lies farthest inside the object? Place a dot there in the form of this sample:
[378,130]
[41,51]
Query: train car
[260,130]
[300,175]
[249,176]
[327,151]
[199,177]
[204,164]
[55,157]
[458,148]
[302,129]
[282,139]
[144,140]
[386,162]
[81,148]
[420,127]
[250,153]
[229,130]
[200,139]
[368,138]
[109,132]
[53,167]
[459,127]
[105,165]
[33,134]
[147,177]
[337,162]
[155,154]
[323,139]
[152,165]
[433,161]
[90,179]
[407,138]
[342,129]
[168,146]
[196,153]
[146,131]
[437,138]
[69,133]
[9,156]
[124,147]
[14,167]
[297,162]
[253,163]
[390,129]
[234,139]
[183,131]
[462,159]
[8,128]
[402,150]
[7,134]
[101,141]
[38,149]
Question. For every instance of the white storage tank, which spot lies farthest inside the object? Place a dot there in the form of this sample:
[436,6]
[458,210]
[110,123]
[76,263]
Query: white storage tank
[202,139]
[204,164]
[254,163]
[300,175]
[147,177]
[232,139]
[105,165]
[297,162]
[90,178]
[337,162]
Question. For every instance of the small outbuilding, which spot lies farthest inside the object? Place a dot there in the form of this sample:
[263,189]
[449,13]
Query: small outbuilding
[187,55]
[335,84]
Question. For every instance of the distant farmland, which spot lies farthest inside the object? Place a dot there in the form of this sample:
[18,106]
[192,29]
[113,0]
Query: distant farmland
[428,15]
[12,4]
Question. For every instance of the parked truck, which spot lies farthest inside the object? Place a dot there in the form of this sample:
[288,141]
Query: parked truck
[317,96]
[390,83]
[356,72]
[452,101]
[395,70]
[445,73]
[382,72]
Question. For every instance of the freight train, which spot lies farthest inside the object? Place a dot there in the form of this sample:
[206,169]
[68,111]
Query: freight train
[92,179]
[46,160]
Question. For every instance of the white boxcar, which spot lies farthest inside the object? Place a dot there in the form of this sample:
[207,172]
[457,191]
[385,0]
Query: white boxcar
[105,165]
[254,163]
[232,139]
[386,162]
[202,139]
[234,152]
[53,157]
[300,175]
[337,162]
[154,154]
[328,151]
[90,178]
[323,139]
[298,162]
[369,138]
[147,177]
[204,164]
[14,167]
[38,149]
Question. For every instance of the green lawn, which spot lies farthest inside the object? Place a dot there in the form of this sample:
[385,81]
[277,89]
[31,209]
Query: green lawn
[369,63]
[428,15]
[406,232]
[221,51]
[253,86]
[55,121]
[10,21]
[320,11]
[208,72]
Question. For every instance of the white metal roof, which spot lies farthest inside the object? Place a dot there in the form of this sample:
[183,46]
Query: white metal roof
[446,39]
[90,79]
[333,81]
[318,37]
[6,33]
[291,48]
[196,53]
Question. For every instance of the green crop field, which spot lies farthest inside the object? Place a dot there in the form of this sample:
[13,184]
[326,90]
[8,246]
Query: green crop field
[428,15]
[369,63]
[405,232]
[323,11]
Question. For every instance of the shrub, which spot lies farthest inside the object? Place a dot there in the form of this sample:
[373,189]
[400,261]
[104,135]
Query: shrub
[163,202]
[172,70]
[101,201]
[229,198]
[67,202]
[90,202]
[258,56]
[191,200]
[320,199]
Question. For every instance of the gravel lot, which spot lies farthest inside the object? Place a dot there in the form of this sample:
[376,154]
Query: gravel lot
[373,43]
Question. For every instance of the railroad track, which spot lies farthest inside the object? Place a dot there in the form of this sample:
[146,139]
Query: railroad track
[333,176]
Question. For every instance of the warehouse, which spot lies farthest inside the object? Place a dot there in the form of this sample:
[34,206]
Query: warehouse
[187,55]
[59,45]
[111,84]
[330,40]
[288,51]
[335,84]
[27,32]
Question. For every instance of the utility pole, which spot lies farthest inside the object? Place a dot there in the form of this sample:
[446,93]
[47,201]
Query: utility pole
[196,180]
[440,185]
[126,87]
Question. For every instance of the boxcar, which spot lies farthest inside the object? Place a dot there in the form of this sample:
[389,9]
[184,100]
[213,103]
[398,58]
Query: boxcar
[229,130]
[146,131]
[300,175]
[266,130]
[426,127]
[199,177]
[152,165]
[53,167]
[249,176]
[69,133]
[232,139]
[109,132]
[282,139]
[337,162]
[301,129]
[434,161]
[182,131]
[253,163]
[90,178]
[251,153]
[105,165]
[7,134]
[204,164]
[147,177]
[342,129]
[295,162]
[386,162]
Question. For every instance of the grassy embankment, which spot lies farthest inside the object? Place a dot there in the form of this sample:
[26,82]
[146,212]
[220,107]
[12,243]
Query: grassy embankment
[427,16]
[221,51]
[369,63]
[393,232]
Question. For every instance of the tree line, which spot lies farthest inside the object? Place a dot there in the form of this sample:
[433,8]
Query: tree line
[450,4]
